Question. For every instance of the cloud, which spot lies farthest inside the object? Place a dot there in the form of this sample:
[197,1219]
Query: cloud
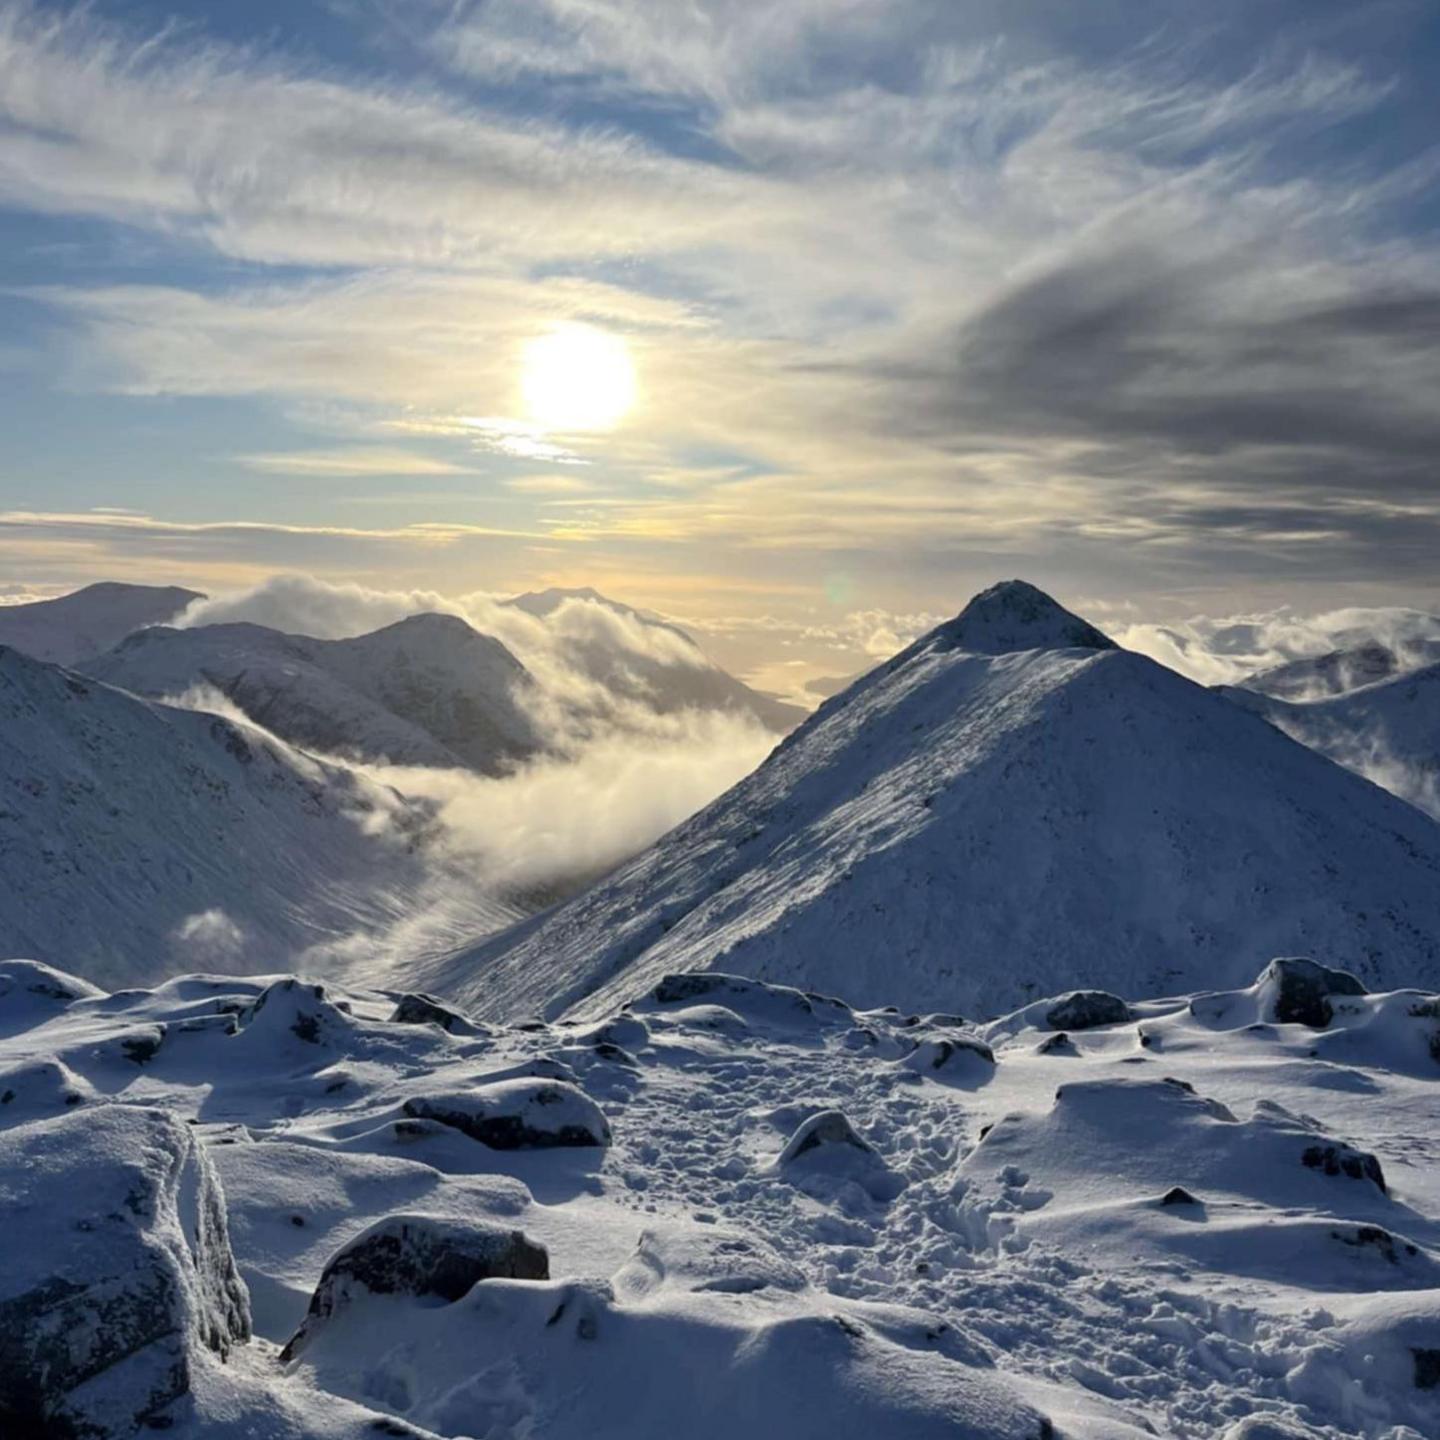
[1228,650]
[600,670]
[210,938]
[930,287]
[356,460]
[558,822]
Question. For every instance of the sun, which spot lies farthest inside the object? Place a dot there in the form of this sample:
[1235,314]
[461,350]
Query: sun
[576,377]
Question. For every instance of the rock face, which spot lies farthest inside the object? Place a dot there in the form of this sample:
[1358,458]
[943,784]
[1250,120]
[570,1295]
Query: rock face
[1085,1009]
[1297,991]
[118,1271]
[417,1255]
[520,1114]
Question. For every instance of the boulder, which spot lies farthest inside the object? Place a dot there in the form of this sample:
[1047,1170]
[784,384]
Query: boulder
[1335,1158]
[118,1275]
[951,1057]
[419,1256]
[1296,991]
[420,1009]
[825,1154]
[1086,1009]
[520,1114]
[294,1013]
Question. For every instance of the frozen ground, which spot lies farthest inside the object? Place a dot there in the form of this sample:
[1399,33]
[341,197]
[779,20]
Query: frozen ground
[807,1220]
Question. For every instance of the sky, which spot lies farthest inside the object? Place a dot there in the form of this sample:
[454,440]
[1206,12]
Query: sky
[798,321]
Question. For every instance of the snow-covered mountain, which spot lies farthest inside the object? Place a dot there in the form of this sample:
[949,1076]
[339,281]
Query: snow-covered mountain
[428,690]
[90,621]
[665,670]
[1340,671]
[1388,731]
[267,1209]
[137,839]
[1010,807]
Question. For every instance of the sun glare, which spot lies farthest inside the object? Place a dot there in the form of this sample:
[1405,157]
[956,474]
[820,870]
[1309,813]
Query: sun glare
[576,377]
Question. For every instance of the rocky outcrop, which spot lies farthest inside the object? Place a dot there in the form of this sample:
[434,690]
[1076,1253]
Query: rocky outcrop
[118,1276]
[520,1114]
[421,1256]
[420,1009]
[1297,991]
[1086,1009]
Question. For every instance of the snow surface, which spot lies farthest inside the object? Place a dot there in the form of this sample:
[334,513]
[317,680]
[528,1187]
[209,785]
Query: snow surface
[1031,1268]
[88,622]
[137,839]
[428,690]
[974,824]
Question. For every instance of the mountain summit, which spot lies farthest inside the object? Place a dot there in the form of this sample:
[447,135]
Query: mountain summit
[1014,615]
[1010,808]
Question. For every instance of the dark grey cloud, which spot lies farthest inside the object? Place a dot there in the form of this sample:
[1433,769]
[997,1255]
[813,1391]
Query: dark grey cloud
[1233,395]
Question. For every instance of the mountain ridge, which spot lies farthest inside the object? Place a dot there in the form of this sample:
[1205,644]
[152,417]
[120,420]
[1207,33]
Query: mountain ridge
[961,829]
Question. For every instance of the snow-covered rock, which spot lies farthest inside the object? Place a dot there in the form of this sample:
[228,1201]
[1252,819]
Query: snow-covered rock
[1143,1255]
[428,690]
[826,1152]
[32,1089]
[417,1256]
[976,824]
[519,1114]
[117,1275]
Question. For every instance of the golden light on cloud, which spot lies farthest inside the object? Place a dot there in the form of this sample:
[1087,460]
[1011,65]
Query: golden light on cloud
[576,377]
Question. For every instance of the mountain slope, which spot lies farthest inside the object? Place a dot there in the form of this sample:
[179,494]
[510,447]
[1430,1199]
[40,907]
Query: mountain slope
[1341,671]
[90,621]
[428,690]
[1388,732]
[137,839]
[1010,807]
[647,659]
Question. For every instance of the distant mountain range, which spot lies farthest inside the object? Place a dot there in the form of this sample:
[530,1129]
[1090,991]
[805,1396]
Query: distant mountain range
[1010,807]
[428,690]
[88,622]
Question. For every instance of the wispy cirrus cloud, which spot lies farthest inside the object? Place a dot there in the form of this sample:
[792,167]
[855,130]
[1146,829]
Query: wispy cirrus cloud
[907,285]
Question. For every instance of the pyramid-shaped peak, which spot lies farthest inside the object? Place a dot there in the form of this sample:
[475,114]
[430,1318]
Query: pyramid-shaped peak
[1015,615]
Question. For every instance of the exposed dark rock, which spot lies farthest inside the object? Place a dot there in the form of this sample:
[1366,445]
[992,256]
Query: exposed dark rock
[142,1046]
[1057,1044]
[418,1255]
[1427,1367]
[1336,1159]
[420,1009]
[1086,1009]
[1377,1238]
[1298,991]
[518,1115]
[1178,1195]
